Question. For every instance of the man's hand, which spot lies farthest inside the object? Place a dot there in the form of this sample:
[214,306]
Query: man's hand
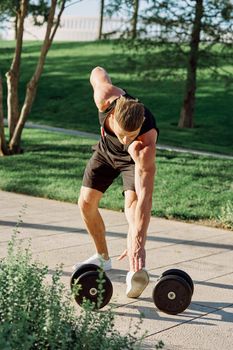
[136,258]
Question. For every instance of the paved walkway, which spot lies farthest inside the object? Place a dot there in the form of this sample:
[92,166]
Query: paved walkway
[95,136]
[58,236]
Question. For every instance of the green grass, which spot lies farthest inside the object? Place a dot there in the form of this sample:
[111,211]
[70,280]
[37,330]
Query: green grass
[187,187]
[65,99]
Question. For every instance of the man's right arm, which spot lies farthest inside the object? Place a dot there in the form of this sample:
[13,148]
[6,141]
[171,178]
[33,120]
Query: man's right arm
[102,87]
[99,76]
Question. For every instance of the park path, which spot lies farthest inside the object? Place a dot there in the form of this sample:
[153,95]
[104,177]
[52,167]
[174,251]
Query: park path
[58,236]
[95,136]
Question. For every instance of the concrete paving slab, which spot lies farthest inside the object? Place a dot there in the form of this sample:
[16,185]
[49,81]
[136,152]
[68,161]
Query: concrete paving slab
[205,268]
[58,236]
[211,331]
[215,293]
[154,321]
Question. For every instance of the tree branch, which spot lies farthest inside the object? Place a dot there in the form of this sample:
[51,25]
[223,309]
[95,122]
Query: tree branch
[32,85]
[13,74]
[58,20]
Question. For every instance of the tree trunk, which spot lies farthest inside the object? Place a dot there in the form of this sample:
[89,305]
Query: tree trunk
[17,3]
[16,26]
[187,110]
[101,19]
[13,74]
[3,145]
[134,19]
[14,144]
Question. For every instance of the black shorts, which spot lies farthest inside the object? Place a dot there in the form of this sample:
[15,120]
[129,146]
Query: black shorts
[104,167]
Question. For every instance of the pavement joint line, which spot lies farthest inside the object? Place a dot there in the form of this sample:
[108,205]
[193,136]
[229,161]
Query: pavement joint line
[182,242]
[208,306]
[111,239]
[31,125]
[67,247]
[37,237]
[187,242]
[136,301]
[211,306]
[52,235]
[189,260]
[83,231]
[213,278]
[28,224]
[186,321]
[125,304]
[178,263]
[189,321]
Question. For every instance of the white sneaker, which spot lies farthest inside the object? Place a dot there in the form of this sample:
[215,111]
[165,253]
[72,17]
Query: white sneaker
[98,260]
[136,283]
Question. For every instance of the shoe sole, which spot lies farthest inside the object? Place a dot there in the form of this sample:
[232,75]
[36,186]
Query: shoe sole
[139,282]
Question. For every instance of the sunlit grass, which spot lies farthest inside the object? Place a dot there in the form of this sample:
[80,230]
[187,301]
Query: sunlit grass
[64,97]
[187,187]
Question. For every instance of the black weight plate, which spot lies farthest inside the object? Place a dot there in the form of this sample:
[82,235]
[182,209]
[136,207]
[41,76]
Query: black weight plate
[89,289]
[81,270]
[182,274]
[172,294]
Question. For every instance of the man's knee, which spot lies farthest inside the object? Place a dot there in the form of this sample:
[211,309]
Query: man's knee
[86,205]
[88,201]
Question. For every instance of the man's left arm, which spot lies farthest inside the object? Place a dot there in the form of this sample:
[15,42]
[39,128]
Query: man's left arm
[143,152]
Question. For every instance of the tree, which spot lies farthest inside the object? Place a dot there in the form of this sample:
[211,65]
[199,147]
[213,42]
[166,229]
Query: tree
[3,146]
[131,8]
[101,19]
[210,18]
[17,116]
[187,110]
[134,19]
[9,8]
[185,30]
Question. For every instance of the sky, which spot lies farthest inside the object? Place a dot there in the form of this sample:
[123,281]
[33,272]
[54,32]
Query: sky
[88,8]
[85,8]
[80,8]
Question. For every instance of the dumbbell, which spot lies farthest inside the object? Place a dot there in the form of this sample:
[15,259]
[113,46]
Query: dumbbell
[173,291]
[87,278]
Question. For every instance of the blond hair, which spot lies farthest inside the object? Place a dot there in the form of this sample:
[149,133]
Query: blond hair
[129,113]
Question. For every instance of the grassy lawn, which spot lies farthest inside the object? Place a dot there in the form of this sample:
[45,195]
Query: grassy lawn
[187,187]
[64,96]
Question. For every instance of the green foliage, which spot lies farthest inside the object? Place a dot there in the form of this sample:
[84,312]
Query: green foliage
[40,8]
[167,27]
[36,315]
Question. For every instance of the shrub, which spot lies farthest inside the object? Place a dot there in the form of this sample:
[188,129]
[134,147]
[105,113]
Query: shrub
[39,315]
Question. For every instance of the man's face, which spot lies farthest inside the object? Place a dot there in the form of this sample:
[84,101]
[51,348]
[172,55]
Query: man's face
[125,137]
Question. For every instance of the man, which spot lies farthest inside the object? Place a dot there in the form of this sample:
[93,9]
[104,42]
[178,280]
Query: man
[127,147]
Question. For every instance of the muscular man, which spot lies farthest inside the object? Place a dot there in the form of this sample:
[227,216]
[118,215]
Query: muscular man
[127,147]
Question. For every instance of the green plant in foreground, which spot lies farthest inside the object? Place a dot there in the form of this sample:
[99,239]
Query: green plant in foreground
[38,315]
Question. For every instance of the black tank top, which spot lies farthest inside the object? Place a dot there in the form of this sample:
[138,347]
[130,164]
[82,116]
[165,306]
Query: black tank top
[110,142]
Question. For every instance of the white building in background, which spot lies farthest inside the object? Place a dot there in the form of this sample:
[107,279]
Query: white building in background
[72,28]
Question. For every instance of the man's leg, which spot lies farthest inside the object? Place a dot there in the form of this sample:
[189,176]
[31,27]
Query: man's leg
[88,203]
